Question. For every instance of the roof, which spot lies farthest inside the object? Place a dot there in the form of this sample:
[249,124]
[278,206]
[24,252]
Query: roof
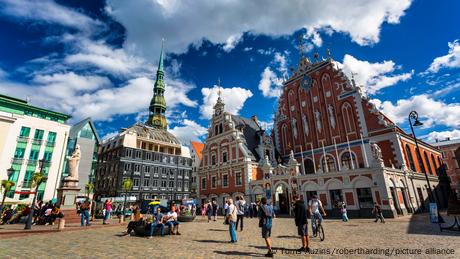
[251,131]
[78,126]
[145,131]
[21,107]
[198,147]
[446,142]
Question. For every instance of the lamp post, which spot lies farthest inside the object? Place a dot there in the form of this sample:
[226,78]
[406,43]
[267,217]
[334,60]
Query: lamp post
[40,179]
[9,172]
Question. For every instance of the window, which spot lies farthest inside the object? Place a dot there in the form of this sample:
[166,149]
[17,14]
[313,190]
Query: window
[25,132]
[220,128]
[179,186]
[51,137]
[329,164]
[47,156]
[163,184]
[155,183]
[336,198]
[213,159]
[127,167]
[420,162]
[186,186]
[147,169]
[146,182]
[39,134]
[137,168]
[148,156]
[427,161]
[138,154]
[136,182]
[203,183]
[433,161]
[225,180]
[309,167]
[347,161]
[224,157]
[365,198]
[33,154]
[19,153]
[213,182]
[410,158]
[129,153]
[171,184]
[27,182]
[238,179]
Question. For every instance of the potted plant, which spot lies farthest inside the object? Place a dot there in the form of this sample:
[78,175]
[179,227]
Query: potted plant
[186,216]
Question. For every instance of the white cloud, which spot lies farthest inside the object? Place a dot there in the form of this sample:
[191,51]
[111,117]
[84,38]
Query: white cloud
[451,60]
[109,135]
[234,99]
[188,130]
[431,111]
[270,83]
[184,23]
[231,42]
[47,11]
[442,135]
[373,76]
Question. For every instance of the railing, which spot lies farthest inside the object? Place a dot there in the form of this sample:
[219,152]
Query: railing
[155,175]
[37,141]
[164,176]
[17,161]
[171,176]
[23,139]
[179,176]
[32,162]
[26,184]
[50,143]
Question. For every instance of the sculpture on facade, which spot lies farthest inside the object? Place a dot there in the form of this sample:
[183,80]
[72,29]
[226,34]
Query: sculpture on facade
[330,110]
[305,125]
[376,151]
[318,120]
[74,162]
[294,127]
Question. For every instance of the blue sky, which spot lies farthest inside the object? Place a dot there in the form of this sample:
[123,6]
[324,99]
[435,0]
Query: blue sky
[98,58]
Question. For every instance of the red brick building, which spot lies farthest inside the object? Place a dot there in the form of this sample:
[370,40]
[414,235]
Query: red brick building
[232,155]
[347,149]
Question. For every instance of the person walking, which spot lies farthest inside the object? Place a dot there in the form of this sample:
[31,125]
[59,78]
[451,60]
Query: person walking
[301,221]
[266,215]
[203,210]
[378,213]
[232,217]
[209,210]
[343,210]
[108,211]
[84,212]
[215,208]
[240,202]
[225,207]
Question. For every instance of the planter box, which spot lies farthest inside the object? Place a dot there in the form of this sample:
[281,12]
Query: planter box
[183,218]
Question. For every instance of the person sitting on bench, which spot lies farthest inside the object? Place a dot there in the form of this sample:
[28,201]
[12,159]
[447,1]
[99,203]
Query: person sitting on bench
[171,221]
[157,222]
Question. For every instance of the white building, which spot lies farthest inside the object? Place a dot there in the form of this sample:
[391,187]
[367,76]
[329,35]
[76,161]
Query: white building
[29,134]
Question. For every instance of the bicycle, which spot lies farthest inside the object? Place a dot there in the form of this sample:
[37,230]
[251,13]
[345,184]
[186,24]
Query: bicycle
[319,230]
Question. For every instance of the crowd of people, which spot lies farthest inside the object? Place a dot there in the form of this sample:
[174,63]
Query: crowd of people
[44,214]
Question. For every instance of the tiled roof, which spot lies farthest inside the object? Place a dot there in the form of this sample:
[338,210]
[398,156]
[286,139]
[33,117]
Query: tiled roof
[198,147]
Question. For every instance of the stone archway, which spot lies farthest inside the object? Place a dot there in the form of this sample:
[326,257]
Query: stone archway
[282,198]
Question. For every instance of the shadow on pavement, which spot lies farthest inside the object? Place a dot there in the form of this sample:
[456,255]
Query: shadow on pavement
[238,253]
[296,237]
[275,248]
[221,230]
[420,224]
[212,241]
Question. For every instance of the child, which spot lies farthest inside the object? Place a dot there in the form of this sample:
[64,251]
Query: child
[344,212]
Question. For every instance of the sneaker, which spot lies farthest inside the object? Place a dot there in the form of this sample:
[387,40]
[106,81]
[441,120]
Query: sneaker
[150,237]
[269,254]
[173,233]
[301,249]
[307,249]
[178,233]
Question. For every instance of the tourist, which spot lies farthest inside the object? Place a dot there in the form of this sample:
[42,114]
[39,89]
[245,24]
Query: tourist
[209,210]
[215,208]
[171,221]
[266,215]
[255,211]
[37,209]
[343,210]
[7,215]
[157,223]
[377,211]
[225,207]
[240,203]
[137,221]
[232,218]
[203,210]
[314,207]
[301,221]
[194,210]
[55,213]
[84,212]
[108,210]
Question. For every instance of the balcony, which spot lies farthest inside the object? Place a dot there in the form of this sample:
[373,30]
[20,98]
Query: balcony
[179,177]
[26,184]
[32,162]
[171,176]
[135,188]
[37,141]
[164,176]
[23,139]
[17,160]
[137,173]
[147,174]
[50,143]
[155,175]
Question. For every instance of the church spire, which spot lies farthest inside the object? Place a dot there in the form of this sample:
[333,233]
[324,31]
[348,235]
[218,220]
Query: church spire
[219,106]
[157,108]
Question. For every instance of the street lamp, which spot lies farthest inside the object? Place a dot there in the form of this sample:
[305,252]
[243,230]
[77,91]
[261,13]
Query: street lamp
[10,172]
[39,181]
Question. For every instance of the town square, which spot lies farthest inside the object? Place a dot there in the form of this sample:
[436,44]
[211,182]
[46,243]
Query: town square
[220,129]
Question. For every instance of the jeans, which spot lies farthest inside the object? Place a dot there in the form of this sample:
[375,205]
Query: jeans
[155,225]
[232,230]
[84,214]
[171,225]
[238,219]
[313,221]
[344,216]
[107,216]
[379,216]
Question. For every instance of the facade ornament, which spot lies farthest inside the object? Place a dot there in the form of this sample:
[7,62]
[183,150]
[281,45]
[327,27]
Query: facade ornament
[376,151]
[330,110]
[318,120]
[74,162]
[305,125]
[294,127]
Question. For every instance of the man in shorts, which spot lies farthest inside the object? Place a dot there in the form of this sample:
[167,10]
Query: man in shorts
[266,215]
[314,207]
[301,221]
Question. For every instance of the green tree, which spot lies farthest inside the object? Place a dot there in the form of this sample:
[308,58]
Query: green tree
[89,187]
[127,185]
[6,186]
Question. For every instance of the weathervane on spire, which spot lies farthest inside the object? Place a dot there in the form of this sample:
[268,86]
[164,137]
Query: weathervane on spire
[219,106]
[353,79]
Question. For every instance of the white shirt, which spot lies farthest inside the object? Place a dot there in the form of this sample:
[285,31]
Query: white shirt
[314,205]
[171,216]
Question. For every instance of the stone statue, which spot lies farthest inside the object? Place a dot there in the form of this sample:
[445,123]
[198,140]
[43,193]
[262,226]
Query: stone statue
[73,162]
[376,151]
[294,127]
[305,125]
[318,120]
[330,110]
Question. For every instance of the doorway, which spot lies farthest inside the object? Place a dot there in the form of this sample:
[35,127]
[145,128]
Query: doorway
[282,199]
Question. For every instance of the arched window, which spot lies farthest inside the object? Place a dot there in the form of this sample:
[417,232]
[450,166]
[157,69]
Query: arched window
[309,167]
[420,161]
[348,118]
[433,161]
[347,161]
[328,164]
[410,158]
[216,130]
[220,128]
[427,161]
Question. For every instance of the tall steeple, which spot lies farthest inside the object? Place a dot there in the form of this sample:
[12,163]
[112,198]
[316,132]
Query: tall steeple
[219,106]
[157,107]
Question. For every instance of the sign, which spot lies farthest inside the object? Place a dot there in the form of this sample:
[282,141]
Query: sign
[24,192]
[433,212]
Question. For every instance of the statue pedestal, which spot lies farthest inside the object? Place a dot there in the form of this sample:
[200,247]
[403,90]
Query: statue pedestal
[67,199]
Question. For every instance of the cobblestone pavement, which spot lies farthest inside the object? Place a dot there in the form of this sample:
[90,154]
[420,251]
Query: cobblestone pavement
[200,239]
